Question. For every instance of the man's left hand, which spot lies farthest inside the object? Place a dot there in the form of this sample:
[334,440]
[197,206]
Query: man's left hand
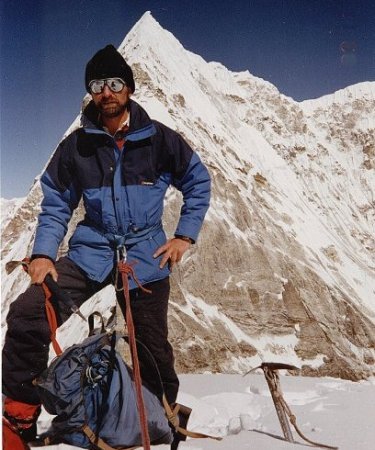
[172,252]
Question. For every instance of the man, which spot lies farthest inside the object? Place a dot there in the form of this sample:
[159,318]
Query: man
[120,162]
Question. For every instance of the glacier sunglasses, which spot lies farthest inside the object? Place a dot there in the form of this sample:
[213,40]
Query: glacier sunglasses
[114,84]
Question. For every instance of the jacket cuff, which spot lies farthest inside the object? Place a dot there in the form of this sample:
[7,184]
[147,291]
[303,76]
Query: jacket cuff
[37,256]
[184,238]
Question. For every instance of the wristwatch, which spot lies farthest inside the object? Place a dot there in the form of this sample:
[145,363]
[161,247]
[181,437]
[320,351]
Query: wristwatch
[184,238]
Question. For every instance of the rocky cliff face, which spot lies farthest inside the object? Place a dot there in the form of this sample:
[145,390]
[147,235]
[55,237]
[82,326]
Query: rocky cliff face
[284,267]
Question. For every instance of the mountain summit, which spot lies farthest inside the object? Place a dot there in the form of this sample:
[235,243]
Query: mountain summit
[284,267]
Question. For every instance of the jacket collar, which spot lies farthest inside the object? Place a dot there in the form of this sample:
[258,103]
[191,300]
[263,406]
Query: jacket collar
[140,122]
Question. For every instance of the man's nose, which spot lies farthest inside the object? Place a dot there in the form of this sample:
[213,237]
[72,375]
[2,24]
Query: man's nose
[106,91]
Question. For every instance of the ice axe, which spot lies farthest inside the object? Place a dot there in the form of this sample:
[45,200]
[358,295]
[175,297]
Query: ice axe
[55,289]
[271,374]
[273,381]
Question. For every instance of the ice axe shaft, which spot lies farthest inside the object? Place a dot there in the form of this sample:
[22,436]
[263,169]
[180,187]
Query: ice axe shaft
[55,289]
[282,409]
[273,381]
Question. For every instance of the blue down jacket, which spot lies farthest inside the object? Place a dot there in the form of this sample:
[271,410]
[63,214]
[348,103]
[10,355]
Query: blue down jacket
[122,192]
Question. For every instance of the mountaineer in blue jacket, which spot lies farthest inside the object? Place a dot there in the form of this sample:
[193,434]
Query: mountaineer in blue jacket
[120,163]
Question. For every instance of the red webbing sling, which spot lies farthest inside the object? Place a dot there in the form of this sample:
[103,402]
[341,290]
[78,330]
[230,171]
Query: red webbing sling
[50,312]
[52,321]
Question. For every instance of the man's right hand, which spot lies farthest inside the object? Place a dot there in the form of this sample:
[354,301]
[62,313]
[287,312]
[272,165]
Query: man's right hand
[39,268]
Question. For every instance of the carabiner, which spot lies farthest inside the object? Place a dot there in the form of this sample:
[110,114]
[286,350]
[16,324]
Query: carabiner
[121,253]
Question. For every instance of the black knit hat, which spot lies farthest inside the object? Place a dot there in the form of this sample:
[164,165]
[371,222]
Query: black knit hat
[108,63]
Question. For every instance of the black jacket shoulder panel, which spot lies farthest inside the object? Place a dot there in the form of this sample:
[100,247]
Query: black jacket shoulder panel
[177,153]
[138,116]
[60,167]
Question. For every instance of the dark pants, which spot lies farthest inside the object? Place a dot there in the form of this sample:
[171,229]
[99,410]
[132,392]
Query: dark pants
[26,348]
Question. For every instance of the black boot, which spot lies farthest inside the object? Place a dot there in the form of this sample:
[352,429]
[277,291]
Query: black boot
[183,418]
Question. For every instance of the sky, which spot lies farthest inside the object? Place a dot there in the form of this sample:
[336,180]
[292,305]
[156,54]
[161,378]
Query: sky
[306,48]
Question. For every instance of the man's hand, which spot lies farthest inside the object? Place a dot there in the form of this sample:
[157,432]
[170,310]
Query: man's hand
[39,268]
[172,251]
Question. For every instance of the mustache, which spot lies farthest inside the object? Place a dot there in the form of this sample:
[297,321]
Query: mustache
[106,102]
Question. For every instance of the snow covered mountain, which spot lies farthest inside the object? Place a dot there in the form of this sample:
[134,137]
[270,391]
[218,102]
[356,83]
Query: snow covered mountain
[284,269]
[8,208]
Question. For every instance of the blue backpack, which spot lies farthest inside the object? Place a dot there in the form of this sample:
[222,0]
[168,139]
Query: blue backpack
[90,390]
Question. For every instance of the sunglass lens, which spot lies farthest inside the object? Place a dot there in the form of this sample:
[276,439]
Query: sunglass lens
[97,86]
[115,84]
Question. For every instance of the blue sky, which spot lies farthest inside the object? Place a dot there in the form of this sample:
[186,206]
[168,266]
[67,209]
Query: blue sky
[307,48]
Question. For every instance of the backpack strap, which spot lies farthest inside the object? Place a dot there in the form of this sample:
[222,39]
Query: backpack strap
[91,323]
[98,442]
[173,417]
[173,413]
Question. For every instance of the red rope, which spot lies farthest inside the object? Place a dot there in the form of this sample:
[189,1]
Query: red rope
[125,270]
[52,321]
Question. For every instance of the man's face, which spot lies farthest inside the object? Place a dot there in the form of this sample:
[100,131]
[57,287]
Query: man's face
[111,104]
